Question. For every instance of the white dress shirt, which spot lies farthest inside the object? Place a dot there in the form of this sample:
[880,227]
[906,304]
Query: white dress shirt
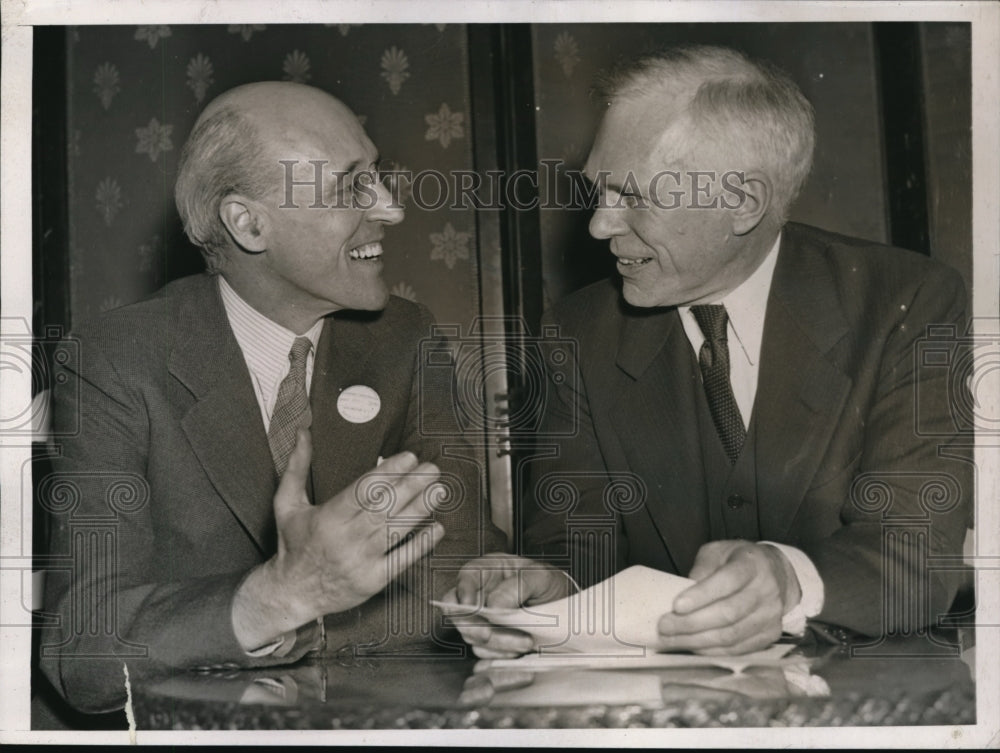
[265,345]
[746,307]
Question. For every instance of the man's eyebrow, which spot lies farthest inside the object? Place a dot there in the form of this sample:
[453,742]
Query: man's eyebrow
[607,184]
[361,164]
[352,167]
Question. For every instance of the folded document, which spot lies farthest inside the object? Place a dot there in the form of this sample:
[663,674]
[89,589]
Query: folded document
[616,617]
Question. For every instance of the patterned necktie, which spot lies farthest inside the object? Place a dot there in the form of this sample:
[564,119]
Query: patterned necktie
[291,408]
[714,362]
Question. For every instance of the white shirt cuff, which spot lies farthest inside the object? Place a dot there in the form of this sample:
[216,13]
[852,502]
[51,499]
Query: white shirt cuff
[274,645]
[285,642]
[810,584]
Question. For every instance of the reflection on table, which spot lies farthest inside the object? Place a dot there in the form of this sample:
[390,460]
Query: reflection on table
[813,683]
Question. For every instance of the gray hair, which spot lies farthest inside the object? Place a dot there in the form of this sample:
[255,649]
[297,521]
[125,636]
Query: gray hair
[735,102]
[223,155]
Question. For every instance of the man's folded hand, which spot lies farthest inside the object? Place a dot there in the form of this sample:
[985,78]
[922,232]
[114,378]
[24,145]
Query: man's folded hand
[505,581]
[743,590]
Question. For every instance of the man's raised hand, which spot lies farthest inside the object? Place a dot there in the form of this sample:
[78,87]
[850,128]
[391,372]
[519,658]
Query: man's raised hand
[336,555]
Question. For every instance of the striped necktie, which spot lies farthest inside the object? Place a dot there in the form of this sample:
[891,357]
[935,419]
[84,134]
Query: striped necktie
[291,408]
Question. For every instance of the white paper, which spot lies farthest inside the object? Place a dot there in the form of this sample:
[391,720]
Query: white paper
[617,617]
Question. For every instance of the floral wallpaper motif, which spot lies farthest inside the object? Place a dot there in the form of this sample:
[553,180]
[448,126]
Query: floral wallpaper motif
[445,125]
[296,67]
[109,199]
[394,65]
[450,246]
[245,30]
[152,34]
[153,139]
[567,52]
[199,73]
[106,84]
[404,291]
[135,93]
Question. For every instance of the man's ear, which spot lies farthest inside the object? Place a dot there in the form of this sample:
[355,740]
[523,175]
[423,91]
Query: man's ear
[245,222]
[749,195]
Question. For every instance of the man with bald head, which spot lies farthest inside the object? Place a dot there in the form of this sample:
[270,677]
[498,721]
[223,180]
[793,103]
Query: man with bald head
[757,380]
[245,411]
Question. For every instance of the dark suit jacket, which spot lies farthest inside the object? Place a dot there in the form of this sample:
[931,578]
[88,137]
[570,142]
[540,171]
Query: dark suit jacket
[846,418]
[171,466]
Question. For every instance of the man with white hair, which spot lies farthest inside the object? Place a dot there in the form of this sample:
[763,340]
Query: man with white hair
[760,378]
[244,413]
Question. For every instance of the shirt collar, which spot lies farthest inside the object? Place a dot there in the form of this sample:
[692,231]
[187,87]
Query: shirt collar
[746,305]
[265,343]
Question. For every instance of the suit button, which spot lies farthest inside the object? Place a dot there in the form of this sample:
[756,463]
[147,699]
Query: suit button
[735,502]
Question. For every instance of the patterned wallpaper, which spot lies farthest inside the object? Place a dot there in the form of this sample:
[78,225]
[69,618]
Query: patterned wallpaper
[135,92]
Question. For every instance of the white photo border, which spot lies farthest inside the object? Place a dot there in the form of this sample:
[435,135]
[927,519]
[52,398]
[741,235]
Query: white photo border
[16,297]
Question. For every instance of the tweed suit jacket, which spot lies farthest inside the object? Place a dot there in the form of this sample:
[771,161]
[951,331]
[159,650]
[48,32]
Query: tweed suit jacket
[855,434]
[172,455]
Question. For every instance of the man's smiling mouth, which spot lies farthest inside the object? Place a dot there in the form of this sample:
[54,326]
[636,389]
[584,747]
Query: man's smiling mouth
[636,262]
[366,252]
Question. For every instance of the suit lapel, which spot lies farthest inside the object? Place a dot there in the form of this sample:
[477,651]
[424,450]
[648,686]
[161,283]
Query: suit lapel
[224,426]
[339,451]
[801,391]
[656,421]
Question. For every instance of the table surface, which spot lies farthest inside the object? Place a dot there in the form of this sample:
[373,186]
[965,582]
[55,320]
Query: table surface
[825,680]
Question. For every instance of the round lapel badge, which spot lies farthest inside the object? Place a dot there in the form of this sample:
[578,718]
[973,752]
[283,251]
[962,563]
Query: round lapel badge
[358,404]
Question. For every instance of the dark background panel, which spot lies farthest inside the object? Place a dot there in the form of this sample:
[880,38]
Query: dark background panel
[946,71]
